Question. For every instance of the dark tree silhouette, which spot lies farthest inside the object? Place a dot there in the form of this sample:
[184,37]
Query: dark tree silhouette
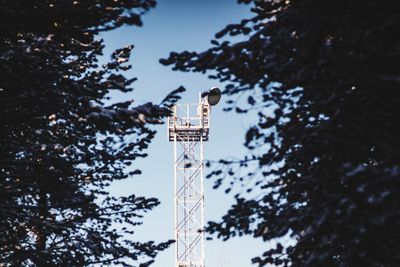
[61,145]
[324,156]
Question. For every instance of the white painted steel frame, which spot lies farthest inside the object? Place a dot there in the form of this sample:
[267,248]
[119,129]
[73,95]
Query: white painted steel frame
[188,128]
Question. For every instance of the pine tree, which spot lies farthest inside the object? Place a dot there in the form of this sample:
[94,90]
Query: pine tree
[61,145]
[323,77]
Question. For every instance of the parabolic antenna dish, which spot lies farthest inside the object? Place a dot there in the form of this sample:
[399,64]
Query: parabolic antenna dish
[213,96]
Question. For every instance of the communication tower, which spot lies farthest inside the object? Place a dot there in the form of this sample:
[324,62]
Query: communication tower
[188,128]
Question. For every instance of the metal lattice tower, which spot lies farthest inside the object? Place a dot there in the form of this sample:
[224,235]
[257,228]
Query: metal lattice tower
[188,128]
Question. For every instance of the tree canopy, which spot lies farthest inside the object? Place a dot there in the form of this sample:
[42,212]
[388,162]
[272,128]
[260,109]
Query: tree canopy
[323,77]
[61,145]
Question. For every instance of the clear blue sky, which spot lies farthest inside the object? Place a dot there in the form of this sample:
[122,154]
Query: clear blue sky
[177,25]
